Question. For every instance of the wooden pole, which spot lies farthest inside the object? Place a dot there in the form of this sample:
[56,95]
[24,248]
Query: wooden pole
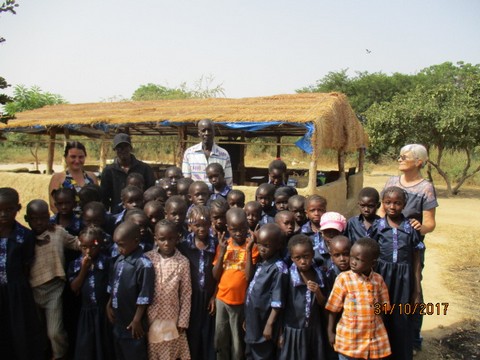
[51,150]
[66,134]
[341,163]
[361,159]
[103,154]
[279,147]
[181,146]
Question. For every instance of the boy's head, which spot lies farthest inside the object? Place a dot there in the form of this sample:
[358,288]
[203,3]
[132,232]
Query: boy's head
[176,210]
[94,214]
[368,202]
[264,195]
[364,255]
[253,211]
[38,216]
[236,198]
[282,195]
[199,193]
[218,214]
[173,173]
[167,186]
[199,221]
[286,221]
[237,225]
[127,237]
[89,193]
[138,216]
[155,193]
[394,199]
[183,185]
[166,237]
[269,240]
[155,212]
[9,206]
[332,224]
[132,197]
[296,205]
[301,252]
[315,207]
[277,173]
[340,252]
[136,179]
[216,176]
[64,200]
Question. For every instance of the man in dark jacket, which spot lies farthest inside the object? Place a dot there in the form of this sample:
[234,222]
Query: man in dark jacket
[114,176]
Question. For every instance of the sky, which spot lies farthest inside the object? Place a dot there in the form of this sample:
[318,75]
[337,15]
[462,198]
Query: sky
[91,51]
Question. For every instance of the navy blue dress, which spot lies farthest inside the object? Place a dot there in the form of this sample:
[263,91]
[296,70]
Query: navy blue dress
[397,246]
[94,339]
[201,330]
[21,335]
[303,332]
[355,228]
[322,255]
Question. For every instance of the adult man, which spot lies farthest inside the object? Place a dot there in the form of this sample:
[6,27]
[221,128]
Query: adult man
[114,176]
[198,157]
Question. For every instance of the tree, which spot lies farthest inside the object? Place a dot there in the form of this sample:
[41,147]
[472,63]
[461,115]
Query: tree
[31,98]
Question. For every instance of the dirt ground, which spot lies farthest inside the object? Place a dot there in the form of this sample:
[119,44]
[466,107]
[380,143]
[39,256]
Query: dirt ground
[451,275]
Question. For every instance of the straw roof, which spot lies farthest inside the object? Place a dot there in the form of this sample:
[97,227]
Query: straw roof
[336,126]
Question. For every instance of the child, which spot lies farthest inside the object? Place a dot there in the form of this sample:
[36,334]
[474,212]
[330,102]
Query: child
[88,276]
[198,193]
[236,198]
[139,217]
[303,336]
[136,179]
[231,268]
[132,197]
[64,202]
[155,193]
[281,196]
[331,224]
[266,296]
[173,173]
[315,207]
[155,212]
[21,334]
[277,173]
[253,210]
[264,195]
[218,217]
[199,248]
[170,308]
[216,177]
[399,264]
[285,220]
[89,193]
[339,249]
[296,205]
[131,285]
[361,225]
[47,275]
[167,186]
[94,214]
[176,212]
[183,185]
[360,333]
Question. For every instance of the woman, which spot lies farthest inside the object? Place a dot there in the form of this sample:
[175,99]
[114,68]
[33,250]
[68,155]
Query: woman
[74,177]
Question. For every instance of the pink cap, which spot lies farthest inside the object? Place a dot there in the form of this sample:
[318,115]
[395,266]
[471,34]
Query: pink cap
[333,220]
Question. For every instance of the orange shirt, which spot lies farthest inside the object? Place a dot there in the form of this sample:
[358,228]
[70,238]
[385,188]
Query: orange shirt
[232,286]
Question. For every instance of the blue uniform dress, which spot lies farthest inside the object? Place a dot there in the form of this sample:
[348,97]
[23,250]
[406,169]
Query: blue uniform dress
[265,219]
[322,255]
[21,334]
[201,331]
[303,332]
[397,246]
[266,290]
[355,228]
[131,283]
[220,194]
[94,340]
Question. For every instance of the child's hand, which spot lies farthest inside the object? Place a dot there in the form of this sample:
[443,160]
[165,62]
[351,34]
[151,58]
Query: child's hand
[223,243]
[331,337]
[313,286]
[136,328]
[417,225]
[211,306]
[86,261]
[110,314]
[244,326]
[280,341]
[267,332]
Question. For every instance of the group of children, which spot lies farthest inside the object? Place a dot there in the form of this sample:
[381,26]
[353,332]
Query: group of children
[189,270]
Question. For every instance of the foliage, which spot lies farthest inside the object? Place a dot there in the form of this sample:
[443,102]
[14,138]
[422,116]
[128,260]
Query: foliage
[31,98]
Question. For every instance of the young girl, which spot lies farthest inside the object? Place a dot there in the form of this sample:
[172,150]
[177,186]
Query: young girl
[199,248]
[20,331]
[315,207]
[64,201]
[169,312]
[303,334]
[399,265]
[88,276]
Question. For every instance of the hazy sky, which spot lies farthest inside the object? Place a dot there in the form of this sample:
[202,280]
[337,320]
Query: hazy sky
[88,50]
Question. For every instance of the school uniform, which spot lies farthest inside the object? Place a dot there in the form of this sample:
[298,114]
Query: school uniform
[267,290]
[304,337]
[356,229]
[265,219]
[220,194]
[131,283]
[321,253]
[331,274]
[201,331]
[94,339]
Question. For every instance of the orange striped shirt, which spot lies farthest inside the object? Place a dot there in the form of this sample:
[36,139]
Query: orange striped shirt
[360,333]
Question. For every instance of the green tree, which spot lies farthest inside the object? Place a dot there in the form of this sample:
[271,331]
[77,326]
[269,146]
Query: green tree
[31,98]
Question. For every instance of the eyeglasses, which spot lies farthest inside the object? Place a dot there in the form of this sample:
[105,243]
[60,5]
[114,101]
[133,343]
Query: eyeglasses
[404,158]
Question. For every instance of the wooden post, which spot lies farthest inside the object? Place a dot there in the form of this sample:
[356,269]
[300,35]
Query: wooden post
[66,134]
[51,150]
[341,163]
[361,159]
[279,147]
[241,165]
[182,145]
[312,169]
[103,153]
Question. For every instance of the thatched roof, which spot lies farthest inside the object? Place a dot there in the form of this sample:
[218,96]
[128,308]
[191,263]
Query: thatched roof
[336,126]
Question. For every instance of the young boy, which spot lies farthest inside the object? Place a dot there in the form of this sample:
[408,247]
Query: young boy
[183,185]
[167,186]
[236,198]
[176,212]
[173,173]
[218,217]
[315,207]
[281,197]
[339,249]
[266,296]
[155,193]
[131,285]
[136,179]
[155,212]
[361,225]
[296,205]
[47,274]
[216,177]
[360,333]
[198,193]
[132,197]
[277,173]
[253,211]
[232,266]
[264,195]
